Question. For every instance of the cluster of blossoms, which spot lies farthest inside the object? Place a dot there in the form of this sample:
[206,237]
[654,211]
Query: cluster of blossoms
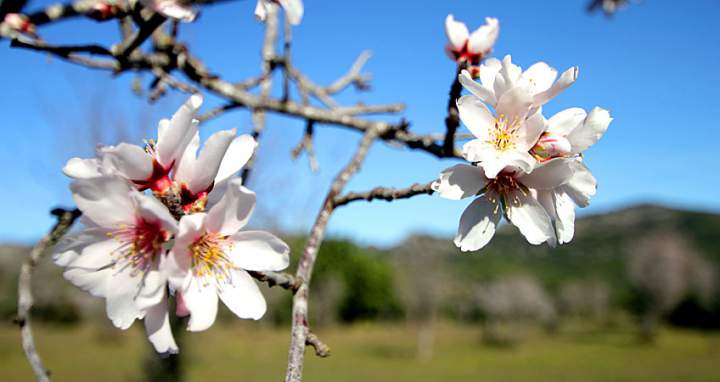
[166,220]
[522,166]
[183,11]
[469,49]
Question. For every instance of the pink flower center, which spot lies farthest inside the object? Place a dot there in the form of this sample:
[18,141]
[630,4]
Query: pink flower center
[141,243]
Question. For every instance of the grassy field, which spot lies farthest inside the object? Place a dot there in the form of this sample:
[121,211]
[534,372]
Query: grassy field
[372,352]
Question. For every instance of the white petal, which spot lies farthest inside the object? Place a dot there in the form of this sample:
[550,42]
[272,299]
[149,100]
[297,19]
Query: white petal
[480,91]
[526,213]
[594,127]
[477,150]
[242,296]
[488,71]
[261,10]
[105,201]
[565,220]
[120,305]
[82,168]
[157,327]
[546,198]
[91,270]
[457,32]
[483,39]
[72,245]
[507,160]
[233,210]
[208,163]
[293,10]
[581,186]
[130,161]
[476,116]
[477,223]
[460,181]
[185,169]
[540,76]
[236,156]
[529,134]
[151,210]
[172,140]
[259,251]
[175,10]
[201,300]
[566,121]
[514,103]
[566,79]
[549,175]
[177,264]
[510,75]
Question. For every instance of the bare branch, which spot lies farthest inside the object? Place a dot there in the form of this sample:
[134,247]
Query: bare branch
[65,219]
[387,194]
[452,121]
[354,75]
[321,349]
[283,280]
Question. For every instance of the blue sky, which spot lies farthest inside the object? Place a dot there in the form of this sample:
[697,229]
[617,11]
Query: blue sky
[654,66]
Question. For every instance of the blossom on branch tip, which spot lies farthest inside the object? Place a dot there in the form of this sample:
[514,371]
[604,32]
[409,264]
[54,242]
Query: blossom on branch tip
[119,254]
[174,9]
[105,9]
[468,48]
[211,256]
[15,24]
[294,9]
[498,77]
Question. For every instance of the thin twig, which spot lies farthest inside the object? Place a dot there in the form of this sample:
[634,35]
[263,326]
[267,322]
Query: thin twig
[283,280]
[452,121]
[385,193]
[65,220]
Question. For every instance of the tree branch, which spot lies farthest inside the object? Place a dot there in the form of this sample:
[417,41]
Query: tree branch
[387,194]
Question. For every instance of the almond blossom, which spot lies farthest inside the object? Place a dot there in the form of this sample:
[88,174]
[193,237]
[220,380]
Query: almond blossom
[211,256]
[468,48]
[15,24]
[505,138]
[118,255]
[294,9]
[512,193]
[499,77]
[174,9]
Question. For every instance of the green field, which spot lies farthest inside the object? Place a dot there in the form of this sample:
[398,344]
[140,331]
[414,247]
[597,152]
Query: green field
[373,352]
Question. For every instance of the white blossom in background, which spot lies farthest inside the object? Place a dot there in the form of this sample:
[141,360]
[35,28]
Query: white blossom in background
[105,9]
[498,77]
[119,254]
[523,166]
[174,9]
[470,48]
[211,257]
[15,24]
[294,9]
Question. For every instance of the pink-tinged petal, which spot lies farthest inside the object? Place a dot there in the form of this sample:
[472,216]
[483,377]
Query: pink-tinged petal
[185,169]
[476,116]
[483,39]
[460,181]
[478,90]
[82,168]
[549,175]
[592,130]
[208,162]
[514,103]
[151,210]
[551,146]
[581,186]
[236,156]
[529,134]
[478,223]
[259,251]
[178,263]
[157,327]
[130,161]
[201,300]
[293,10]
[233,210]
[173,139]
[566,79]
[457,32]
[540,77]
[526,213]
[564,122]
[242,296]
[105,201]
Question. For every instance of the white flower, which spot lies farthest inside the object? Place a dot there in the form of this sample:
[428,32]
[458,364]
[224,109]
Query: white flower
[211,257]
[202,178]
[148,167]
[512,192]
[174,9]
[505,138]
[569,133]
[470,48]
[118,255]
[293,9]
[498,78]
[15,24]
